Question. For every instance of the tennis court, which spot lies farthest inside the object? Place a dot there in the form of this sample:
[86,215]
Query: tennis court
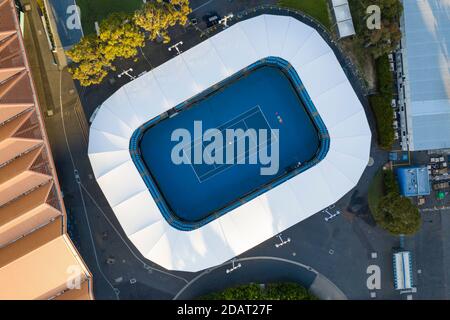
[250,122]
[262,97]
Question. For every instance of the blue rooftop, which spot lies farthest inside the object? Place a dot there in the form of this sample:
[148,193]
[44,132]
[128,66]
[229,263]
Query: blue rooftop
[414,181]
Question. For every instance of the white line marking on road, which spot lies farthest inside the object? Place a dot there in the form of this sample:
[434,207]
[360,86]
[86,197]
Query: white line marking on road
[202,5]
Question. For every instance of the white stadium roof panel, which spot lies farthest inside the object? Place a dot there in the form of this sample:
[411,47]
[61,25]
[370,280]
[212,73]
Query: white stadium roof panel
[354,125]
[121,183]
[100,141]
[103,122]
[254,29]
[127,112]
[311,49]
[183,82]
[341,182]
[137,212]
[234,49]
[107,161]
[200,59]
[276,34]
[279,201]
[146,238]
[189,74]
[148,99]
[301,32]
[311,190]
[337,104]
[317,83]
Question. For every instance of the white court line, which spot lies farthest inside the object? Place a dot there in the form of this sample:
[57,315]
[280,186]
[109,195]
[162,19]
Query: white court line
[232,165]
[238,157]
[187,146]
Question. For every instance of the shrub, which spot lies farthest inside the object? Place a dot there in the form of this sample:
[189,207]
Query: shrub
[381,104]
[274,291]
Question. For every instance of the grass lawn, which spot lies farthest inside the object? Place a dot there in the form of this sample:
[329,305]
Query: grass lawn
[97,10]
[376,192]
[316,8]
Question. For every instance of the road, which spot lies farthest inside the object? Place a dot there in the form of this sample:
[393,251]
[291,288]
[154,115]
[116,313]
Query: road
[329,257]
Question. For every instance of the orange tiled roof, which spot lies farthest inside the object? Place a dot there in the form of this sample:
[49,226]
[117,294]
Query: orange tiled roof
[33,264]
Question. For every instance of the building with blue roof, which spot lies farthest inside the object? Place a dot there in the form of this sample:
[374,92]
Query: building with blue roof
[414,181]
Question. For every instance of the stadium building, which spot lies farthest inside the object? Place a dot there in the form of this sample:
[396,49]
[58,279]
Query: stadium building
[37,258]
[267,72]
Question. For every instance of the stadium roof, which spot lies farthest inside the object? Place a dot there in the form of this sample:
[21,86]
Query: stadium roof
[426,63]
[190,73]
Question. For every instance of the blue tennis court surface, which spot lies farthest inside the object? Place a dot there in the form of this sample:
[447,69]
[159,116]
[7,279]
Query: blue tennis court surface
[264,97]
[252,119]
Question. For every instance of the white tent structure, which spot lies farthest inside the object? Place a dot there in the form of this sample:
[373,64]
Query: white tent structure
[190,73]
[343,17]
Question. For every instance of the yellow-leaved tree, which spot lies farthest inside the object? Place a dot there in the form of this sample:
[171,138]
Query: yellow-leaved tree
[92,66]
[121,37]
[156,17]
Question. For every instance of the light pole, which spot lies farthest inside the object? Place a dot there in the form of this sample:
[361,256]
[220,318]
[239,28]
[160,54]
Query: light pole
[224,20]
[282,242]
[175,46]
[127,73]
[233,266]
[330,215]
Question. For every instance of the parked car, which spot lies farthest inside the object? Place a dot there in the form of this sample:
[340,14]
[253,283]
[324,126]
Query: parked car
[211,19]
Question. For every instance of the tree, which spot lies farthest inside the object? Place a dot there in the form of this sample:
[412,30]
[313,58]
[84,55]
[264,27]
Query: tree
[382,110]
[156,17]
[92,65]
[121,36]
[381,103]
[272,291]
[378,41]
[395,213]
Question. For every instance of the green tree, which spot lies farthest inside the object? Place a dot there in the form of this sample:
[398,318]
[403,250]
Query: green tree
[381,103]
[156,17]
[395,213]
[273,291]
[378,41]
